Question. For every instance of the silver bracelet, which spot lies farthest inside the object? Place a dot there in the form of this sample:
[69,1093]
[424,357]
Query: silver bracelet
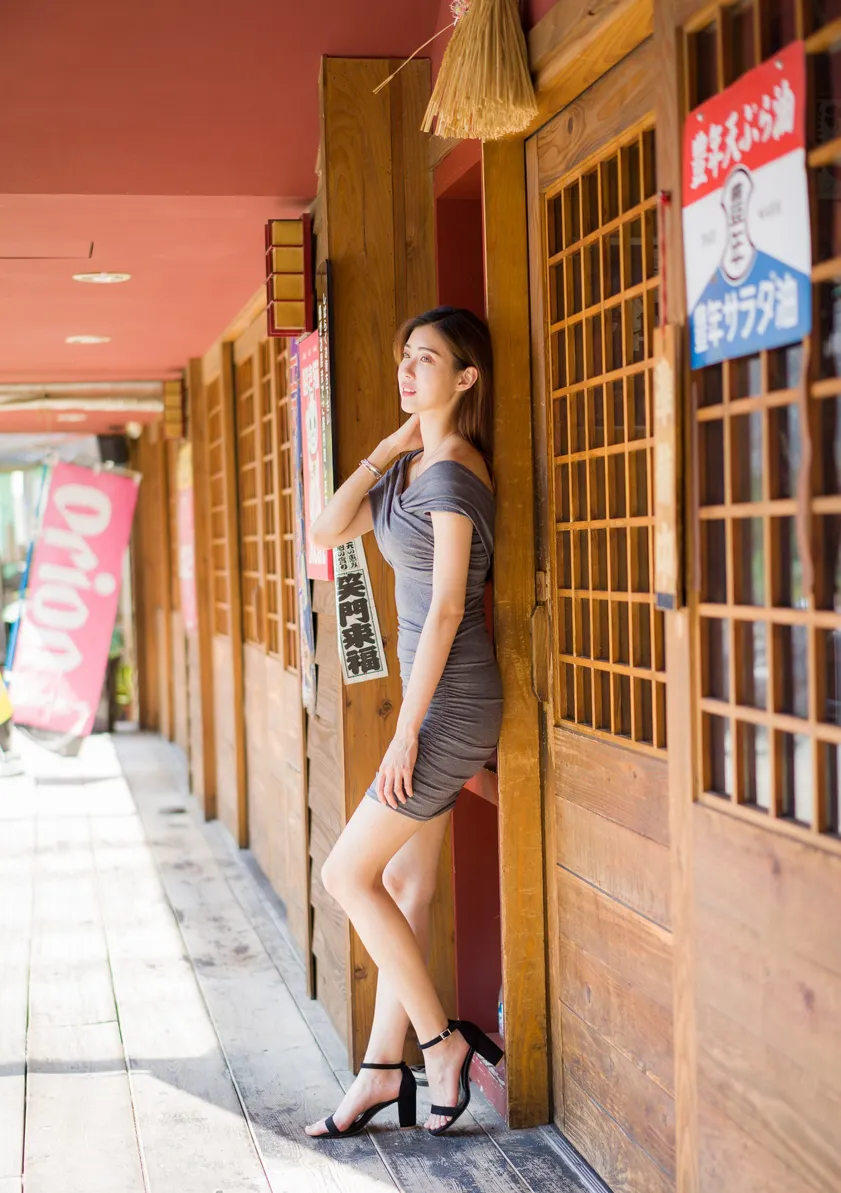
[372,468]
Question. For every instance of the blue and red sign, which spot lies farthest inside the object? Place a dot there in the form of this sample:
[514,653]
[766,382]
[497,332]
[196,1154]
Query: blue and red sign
[746,237]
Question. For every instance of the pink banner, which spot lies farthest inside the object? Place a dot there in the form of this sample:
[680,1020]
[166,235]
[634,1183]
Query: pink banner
[319,560]
[71,601]
[186,540]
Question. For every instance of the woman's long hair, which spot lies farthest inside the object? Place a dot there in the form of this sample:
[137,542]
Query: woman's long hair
[469,340]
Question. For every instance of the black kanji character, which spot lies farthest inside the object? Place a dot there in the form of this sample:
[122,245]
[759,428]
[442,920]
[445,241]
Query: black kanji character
[349,609]
[358,634]
[352,585]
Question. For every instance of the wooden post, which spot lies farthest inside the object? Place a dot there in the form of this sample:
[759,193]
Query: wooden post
[520,809]
[378,223]
[203,754]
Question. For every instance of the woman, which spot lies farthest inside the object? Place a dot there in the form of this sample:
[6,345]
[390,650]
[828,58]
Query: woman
[432,513]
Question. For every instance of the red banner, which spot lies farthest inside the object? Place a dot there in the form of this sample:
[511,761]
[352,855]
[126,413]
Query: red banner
[71,602]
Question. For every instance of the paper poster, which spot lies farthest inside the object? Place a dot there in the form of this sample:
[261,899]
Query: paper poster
[319,561]
[360,643]
[746,233]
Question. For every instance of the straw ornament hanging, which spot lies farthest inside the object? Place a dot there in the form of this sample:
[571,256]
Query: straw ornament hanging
[484,88]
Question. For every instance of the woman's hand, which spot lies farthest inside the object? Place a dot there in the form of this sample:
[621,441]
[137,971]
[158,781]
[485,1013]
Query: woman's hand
[394,778]
[407,437]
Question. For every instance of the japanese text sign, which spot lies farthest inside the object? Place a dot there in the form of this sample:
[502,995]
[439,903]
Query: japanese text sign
[319,561]
[746,233]
[71,602]
[360,642]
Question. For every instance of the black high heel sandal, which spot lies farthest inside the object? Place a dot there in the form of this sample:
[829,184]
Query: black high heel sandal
[477,1041]
[406,1101]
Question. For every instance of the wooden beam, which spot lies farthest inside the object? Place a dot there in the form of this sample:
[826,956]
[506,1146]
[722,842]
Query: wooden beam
[520,807]
[378,226]
[203,680]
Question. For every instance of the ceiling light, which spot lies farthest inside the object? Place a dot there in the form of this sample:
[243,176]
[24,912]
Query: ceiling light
[103,278]
[88,340]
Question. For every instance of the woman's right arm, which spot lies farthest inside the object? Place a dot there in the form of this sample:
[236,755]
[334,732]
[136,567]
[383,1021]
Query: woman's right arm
[348,512]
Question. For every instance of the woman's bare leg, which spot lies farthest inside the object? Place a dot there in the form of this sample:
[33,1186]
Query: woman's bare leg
[353,874]
[410,878]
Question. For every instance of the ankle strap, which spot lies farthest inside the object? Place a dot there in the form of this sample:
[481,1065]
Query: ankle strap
[445,1034]
[367,1065]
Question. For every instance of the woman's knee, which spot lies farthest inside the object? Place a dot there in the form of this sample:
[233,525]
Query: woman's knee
[412,892]
[341,878]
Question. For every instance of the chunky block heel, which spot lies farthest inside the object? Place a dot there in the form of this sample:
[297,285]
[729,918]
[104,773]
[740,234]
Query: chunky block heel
[407,1102]
[476,1041]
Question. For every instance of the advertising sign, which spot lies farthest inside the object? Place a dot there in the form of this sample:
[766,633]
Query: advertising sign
[360,643]
[186,539]
[746,232]
[319,560]
[71,602]
[306,629]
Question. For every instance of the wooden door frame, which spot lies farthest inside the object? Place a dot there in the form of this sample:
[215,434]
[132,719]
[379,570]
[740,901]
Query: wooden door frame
[573,46]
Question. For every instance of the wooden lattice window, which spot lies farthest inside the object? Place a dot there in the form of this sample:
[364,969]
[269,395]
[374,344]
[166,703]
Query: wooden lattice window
[249,465]
[268,439]
[768,684]
[289,592]
[602,284]
[218,510]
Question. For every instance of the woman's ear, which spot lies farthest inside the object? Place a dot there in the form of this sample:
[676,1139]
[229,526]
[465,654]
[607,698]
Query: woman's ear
[467,378]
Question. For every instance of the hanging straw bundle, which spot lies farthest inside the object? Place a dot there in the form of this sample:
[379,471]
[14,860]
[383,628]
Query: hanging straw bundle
[484,88]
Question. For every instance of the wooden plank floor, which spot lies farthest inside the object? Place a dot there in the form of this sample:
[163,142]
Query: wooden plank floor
[155,1033]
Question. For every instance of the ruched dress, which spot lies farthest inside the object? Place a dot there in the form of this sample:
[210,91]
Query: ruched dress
[461,726]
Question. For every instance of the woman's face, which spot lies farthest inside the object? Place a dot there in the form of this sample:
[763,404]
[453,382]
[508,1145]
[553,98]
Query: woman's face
[427,375]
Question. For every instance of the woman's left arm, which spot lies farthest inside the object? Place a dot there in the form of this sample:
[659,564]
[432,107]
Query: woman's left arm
[451,562]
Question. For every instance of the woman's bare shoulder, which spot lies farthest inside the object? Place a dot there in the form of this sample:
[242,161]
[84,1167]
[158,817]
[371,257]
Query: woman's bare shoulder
[465,453]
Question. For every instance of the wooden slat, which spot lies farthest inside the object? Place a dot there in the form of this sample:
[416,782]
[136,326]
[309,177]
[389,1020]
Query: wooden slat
[639,1106]
[80,1124]
[622,785]
[630,868]
[520,815]
[637,949]
[180,1080]
[609,109]
[631,1022]
[725,1149]
[616,1158]
[17,850]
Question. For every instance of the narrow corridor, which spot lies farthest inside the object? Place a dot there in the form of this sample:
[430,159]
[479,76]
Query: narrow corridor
[155,1033]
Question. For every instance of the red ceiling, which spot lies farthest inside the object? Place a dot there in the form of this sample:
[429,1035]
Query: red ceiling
[165,133]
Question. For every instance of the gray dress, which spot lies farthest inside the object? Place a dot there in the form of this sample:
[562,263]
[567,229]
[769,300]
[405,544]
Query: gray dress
[461,726]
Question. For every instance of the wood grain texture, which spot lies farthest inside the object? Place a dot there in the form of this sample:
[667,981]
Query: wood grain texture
[577,42]
[610,108]
[787,1110]
[724,1149]
[630,1021]
[637,949]
[616,1158]
[630,868]
[520,811]
[202,723]
[627,787]
[640,1107]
